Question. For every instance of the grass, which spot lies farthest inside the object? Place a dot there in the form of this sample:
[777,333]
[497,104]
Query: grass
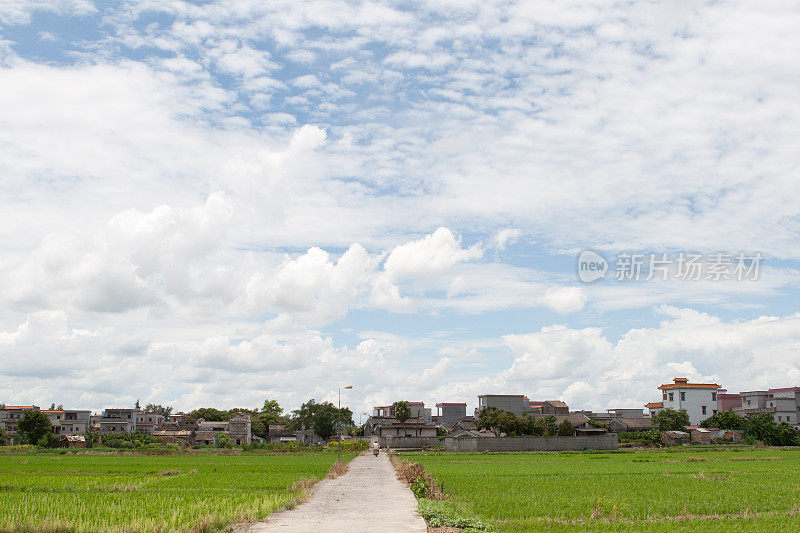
[200,492]
[742,489]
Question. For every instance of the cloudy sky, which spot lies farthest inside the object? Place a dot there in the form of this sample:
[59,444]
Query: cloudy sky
[216,203]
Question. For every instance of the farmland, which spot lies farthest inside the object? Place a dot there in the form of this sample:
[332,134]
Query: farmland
[682,490]
[86,492]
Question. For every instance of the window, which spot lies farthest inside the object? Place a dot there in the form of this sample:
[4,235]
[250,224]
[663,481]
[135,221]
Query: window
[683,396]
[671,396]
[664,397]
[704,409]
[713,396]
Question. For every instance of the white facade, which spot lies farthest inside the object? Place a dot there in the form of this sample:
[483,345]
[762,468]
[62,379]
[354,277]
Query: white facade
[698,399]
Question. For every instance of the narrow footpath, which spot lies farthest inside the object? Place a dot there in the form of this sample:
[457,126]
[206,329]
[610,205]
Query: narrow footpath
[368,498]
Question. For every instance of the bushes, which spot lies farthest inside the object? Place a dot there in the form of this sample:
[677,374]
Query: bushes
[349,445]
[645,438]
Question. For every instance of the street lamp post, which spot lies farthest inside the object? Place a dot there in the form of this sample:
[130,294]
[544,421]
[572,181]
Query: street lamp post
[339,425]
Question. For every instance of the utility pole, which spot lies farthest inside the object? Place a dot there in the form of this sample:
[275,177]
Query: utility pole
[339,425]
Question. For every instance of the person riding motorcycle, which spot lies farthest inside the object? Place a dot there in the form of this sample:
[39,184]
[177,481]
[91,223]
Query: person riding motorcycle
[376,448]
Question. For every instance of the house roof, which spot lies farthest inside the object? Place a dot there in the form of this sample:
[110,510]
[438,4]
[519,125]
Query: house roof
[785,389]
[52,410]
[556,403]
[205,435]
[684,385]
[172,433]
[632,422]
[20,407]
[654,404]
[447,404]
[501,396]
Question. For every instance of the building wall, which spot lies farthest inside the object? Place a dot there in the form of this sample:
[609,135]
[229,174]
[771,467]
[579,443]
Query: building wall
[451,413]
[694,400]
[525,444]
[515,404]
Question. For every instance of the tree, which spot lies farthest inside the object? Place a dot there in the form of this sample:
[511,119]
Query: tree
[158,409]
[325,423]
[322,417]
[33,426]
[671,419]
[489,419]
[223,440]
[402,411]
[565,429]
[3,437]
[724,420]
[209,414]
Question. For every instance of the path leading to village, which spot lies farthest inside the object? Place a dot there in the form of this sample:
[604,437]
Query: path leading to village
[368,498]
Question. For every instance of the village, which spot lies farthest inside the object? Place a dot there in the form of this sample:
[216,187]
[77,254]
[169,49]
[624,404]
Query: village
[421,427]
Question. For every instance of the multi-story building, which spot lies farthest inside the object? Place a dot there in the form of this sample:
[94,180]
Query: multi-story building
[519,404]
[698,399]
[727,401]
[418,410]
[448,413]
[115,421]
[10,416]
[239,429]
[149,422]
[554,407]
[69,421]
[783,404]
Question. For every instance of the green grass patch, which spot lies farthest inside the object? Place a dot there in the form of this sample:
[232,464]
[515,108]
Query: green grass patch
[200,491]
[703,489]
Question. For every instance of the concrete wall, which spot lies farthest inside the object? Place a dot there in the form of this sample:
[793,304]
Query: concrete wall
[409,442]
[529,444]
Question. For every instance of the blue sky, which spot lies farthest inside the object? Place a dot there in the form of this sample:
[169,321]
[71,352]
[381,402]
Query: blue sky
[214,203]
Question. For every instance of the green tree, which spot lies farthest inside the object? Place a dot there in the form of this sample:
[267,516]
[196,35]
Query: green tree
[3,437]
[223,440]
[33,426]
[322,417]
[551,428]
[565,429]
[724,420]
[402,411]
[209,414]
[158,409]
[325,423]
[489,418]
[671,419]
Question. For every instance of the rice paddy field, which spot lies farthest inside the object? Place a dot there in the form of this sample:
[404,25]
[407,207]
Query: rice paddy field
[741,489]
[200,491]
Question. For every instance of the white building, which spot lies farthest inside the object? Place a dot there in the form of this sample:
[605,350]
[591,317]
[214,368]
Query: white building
[783,404]
[699,399]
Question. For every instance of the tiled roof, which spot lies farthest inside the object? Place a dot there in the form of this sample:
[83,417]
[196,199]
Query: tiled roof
[654,404]
[671,386]
[556,403]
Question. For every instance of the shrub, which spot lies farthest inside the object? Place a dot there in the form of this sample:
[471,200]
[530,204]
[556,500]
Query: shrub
[565,429]
[349,445]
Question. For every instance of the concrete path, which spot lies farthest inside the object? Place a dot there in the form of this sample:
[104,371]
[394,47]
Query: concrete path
[368,498]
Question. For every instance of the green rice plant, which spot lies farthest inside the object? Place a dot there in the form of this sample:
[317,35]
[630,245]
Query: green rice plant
[113,492]
[700,489]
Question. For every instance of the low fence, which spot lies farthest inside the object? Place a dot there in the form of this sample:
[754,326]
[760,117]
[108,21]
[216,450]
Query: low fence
[531,444]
